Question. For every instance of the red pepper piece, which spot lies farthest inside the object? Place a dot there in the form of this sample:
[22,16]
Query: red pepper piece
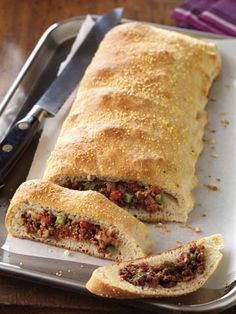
[116,195]
[45,220]
[156,189]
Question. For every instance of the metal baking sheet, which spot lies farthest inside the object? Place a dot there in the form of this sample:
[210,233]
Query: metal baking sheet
[41,68]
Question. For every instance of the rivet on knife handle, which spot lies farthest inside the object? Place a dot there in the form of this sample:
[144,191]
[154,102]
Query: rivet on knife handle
[18,139]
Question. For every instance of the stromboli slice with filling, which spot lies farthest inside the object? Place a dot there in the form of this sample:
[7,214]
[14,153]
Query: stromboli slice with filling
[134,132]
[81,221]
[173,273]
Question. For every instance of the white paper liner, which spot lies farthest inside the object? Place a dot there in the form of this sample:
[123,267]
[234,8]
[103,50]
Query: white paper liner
[218,162]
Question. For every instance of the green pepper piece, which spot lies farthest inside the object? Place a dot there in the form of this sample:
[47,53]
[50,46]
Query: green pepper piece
[139,275]
[111,249]
[171,266]
[159,198]
[193,257]
[61,220]
[128,197]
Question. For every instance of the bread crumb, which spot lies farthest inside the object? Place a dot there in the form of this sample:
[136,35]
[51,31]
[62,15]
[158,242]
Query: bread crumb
[21,263]
[204,215]
[68,270]
[59,273]
[218,179]
[195,229]
[212,99]
[212,186]
[67,253]
[212,130]
[162,227]
[225,123]
[82,266]
[214,155]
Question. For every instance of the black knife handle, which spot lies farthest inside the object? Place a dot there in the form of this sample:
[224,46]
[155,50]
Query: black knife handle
[18,139]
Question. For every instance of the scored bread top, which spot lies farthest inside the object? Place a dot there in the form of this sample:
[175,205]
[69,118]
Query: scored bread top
[86,204]
[139,111]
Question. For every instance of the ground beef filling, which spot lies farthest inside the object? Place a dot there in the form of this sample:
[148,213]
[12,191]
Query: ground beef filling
[167,274]
[132,195]
[47,225]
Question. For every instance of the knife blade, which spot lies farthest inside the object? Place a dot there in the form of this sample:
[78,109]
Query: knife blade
[22,133]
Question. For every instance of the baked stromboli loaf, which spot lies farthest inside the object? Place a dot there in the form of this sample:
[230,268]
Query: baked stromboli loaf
[81,221]
[134,132]
[173,273]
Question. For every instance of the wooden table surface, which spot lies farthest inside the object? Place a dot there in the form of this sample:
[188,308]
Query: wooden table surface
[22,22]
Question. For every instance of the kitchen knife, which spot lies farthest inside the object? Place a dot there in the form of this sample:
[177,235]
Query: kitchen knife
[21,134]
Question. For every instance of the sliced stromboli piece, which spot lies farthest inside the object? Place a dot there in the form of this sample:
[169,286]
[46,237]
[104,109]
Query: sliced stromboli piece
[173,273]
[81,221]
[135,129]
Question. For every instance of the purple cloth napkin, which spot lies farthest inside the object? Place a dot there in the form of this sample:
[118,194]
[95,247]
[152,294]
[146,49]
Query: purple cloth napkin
[222,15]
[215,16]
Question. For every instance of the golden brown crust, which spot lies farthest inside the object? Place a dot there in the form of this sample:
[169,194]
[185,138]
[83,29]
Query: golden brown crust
[139,111]
[88,204]
[103,289]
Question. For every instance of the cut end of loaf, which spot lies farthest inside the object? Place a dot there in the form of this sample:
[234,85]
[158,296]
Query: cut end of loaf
[125,248]
[172,208]
[106,281]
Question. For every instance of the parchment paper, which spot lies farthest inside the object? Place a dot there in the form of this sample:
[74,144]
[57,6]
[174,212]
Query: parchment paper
[215,211]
